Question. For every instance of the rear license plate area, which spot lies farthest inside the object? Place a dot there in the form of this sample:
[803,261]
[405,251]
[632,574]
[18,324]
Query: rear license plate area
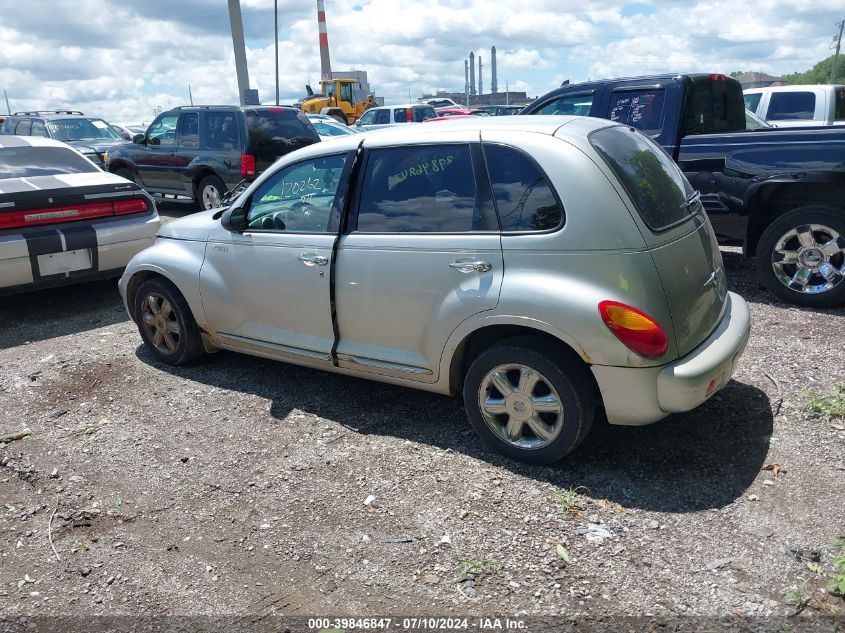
[66,262]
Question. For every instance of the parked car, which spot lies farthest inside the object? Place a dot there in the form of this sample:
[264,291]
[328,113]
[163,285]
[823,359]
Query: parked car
[447,112]
[62,219]
[384,116]
[798,106]
[327,127]
[780,193]
[203,151]
[90,135]
[501,110]
[440,102]
[530,264]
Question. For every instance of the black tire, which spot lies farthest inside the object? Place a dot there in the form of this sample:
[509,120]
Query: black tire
[209,189]
[123,172]
[826,225]
[565,375]
[177,348]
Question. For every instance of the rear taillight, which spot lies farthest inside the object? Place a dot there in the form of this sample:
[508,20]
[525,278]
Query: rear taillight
[718,77]
[56,215]
[408,116]
[638,331]
[247,166]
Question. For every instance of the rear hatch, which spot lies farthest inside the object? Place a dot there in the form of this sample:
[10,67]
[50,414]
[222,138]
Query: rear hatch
[274,132]
[675,228]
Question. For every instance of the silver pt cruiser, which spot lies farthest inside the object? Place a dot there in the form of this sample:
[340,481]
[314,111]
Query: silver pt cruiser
[541,266]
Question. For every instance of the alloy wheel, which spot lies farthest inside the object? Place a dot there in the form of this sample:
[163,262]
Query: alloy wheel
[520,406]
[210,197]
[810,259]
[160,323]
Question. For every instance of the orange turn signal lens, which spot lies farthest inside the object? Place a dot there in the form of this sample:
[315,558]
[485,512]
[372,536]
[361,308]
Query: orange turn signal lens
[637,330]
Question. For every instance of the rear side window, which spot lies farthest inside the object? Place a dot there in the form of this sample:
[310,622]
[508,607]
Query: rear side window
[654,183]
[523,195]
[189,130]
[421,114]
[221,130]
[382,117]
[642,109]
[791,105]
[428,189]
[24,127]
[576,105]
[25,162]
[400,115]
[276,126]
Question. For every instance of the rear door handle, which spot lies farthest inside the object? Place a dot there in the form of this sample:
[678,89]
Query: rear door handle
[469,267]
[312,259]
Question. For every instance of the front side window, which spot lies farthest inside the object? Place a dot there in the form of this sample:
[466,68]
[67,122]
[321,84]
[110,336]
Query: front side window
[653,181]
[642,109]
[163,131]
[424,189]
[39,129]
[752,100]
[791,105]
[382,117]
[576,105]
[523,195]
[421,114]
[24,127]
[299,198]
[368,117]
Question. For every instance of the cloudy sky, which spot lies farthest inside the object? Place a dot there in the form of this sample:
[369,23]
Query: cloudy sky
[120,59]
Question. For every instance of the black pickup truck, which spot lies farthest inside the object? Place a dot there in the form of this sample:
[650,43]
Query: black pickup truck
[780,192]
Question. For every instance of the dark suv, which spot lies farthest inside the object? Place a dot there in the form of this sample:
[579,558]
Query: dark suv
[90,135]
[203,151]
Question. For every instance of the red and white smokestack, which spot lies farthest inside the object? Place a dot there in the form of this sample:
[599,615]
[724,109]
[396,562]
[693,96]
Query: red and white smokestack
[325,64]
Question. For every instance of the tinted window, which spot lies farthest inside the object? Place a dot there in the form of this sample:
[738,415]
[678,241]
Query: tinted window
[523,196]
[24,127]
[298,198]
[400,115]
[39,129]
[276,127]
[578,105]
[22,162]
[382,117]
[839,96]
[713,105]
[429,189]
[82,130]
[221,130]
[791,105]
[189,130]
[752,100]
[8,126]
[642,109]
[421,114]
[163,131]
[656,186]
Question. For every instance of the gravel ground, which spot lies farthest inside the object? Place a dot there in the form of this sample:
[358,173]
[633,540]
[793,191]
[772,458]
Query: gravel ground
[240,485]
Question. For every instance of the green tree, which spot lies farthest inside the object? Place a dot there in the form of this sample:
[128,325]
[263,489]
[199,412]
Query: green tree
[820,73]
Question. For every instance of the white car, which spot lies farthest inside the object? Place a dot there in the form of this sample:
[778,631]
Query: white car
[386,116]
[62,219]
[798,106]
[329,128]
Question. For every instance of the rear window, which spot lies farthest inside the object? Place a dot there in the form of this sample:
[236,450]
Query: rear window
[421,114]
[82,130]
[654,183]
[713,105]
[642,109]
[279,126]
[25,162]
[784,106]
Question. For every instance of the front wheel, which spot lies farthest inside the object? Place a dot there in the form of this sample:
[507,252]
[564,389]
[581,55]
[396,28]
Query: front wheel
[801,257]
[166,323]
[526,404]
[210,192]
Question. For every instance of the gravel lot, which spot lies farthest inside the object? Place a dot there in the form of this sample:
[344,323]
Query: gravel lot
[239,485]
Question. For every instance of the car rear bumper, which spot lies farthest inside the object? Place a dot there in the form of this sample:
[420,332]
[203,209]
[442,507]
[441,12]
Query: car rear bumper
[48,256]
[637,396]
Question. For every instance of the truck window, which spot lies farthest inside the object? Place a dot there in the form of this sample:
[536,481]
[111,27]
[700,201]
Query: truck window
[642,109]
[654,183]
[791,105]
[713,105]
[346,93]
[752,101]
[575,105]
[839,97]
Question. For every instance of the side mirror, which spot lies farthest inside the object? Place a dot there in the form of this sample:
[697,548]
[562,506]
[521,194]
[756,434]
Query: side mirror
[138,139]
[234,219]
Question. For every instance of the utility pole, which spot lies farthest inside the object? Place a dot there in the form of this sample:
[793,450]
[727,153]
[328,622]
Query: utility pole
[237,25]
[836,55]
[8,107]
[190,95]
[276,32]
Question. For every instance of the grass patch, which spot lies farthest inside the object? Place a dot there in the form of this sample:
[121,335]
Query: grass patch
[479,568]
[569,500]
[836,586]
[833,406]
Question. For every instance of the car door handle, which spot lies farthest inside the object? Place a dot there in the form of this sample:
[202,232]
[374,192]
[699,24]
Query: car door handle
[312,259]
[469,267]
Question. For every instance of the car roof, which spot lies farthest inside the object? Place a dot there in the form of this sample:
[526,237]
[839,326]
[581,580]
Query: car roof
[402,105]
[11,140]
[796,88]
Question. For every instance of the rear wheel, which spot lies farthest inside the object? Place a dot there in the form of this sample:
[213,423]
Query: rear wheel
[210,192]
[166,323]
[801,257]
[529,405]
